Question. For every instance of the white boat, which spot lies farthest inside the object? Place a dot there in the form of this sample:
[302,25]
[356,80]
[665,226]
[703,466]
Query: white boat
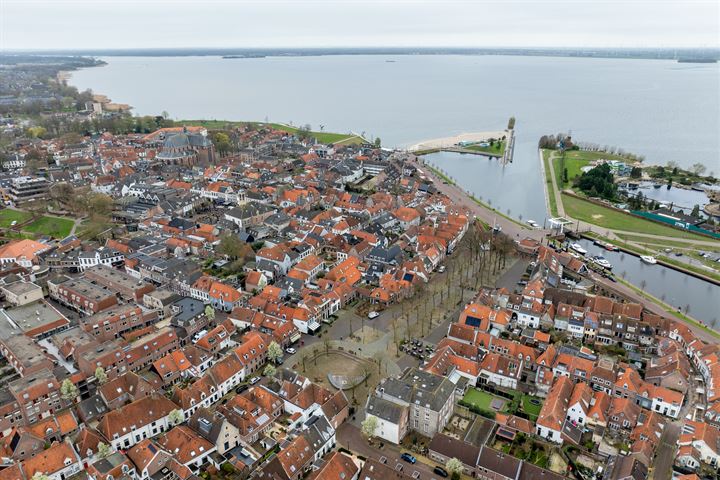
[649,259]
[533,223]
[578,248]
[602,261]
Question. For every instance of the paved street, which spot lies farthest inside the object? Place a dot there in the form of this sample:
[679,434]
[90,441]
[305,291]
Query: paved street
[350,437]
[666,451]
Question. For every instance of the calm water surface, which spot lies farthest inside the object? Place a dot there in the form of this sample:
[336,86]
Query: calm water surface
[657,108]
[671,286]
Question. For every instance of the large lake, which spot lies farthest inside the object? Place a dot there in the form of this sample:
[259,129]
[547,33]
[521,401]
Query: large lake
[658,108]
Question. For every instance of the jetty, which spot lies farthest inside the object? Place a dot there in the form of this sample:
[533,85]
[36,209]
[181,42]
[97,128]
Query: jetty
[466,143]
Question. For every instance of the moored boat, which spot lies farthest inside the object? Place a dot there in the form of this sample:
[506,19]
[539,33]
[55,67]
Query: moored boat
[649,259]
[602,262]
[578,248]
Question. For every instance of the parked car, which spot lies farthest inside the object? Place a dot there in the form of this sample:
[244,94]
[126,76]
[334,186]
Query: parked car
[408,458]
[290,350]
[373,314]
[254,380]
[242,388]
[441,471]
[441,268]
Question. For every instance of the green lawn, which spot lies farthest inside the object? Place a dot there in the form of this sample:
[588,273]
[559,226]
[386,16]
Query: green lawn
[676,244]
[574,167]
[575,160]
[498,148]
[8,216]
[605,217]
[482,400]
[530,408]
[590,156]
[322,137]
[52,226]
[549,184]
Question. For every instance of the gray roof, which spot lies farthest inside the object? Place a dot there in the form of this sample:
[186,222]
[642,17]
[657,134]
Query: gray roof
[454,448]
[384,409]
[249,210]
[420,388]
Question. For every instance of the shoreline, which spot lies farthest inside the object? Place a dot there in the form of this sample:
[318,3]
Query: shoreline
[445,142]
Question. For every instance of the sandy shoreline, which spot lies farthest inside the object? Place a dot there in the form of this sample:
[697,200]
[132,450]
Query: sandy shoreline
[453,141]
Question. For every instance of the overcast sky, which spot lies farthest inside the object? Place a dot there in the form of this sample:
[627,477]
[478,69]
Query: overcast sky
[90,24]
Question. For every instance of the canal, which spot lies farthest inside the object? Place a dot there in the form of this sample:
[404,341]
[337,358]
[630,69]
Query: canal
[671,286]
[517,190]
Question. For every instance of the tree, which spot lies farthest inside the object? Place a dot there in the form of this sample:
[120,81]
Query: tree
[210,312]
[377,142]
[103,450]
[40,476]
[68,390]
[698,169]
[303,133]
[695,211]
[36,132]
[222,143]
[99,204]
[636,172]
[274,352]
[454,467]
[598,182]
[270,370]
[100,375]
[231,246]
[369,426]
[176,417]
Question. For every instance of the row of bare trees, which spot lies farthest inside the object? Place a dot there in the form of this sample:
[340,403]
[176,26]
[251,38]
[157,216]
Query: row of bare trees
[478,259]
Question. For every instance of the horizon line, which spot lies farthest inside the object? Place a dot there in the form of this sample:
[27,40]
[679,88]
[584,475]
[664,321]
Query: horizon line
[349,47]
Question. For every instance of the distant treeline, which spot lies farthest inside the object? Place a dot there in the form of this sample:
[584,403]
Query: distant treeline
[564,141]
[639,53]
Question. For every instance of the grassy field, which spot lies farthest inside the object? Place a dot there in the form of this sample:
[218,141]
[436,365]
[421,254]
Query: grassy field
[322,137]
[575,160]
[676,244]
[574,167]
[529,407]
[497,148]
[587,156]
[8,216]
[483,400]
[605,217]
[51,226]
[549,184]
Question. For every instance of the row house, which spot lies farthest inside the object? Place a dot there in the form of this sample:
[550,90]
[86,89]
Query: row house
[150,348]
[114,322]
[139,420]
[118,281]
[105,256]
[81,295]
[31,399]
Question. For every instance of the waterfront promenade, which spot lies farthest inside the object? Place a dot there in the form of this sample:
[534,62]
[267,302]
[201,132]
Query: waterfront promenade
[518,231]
